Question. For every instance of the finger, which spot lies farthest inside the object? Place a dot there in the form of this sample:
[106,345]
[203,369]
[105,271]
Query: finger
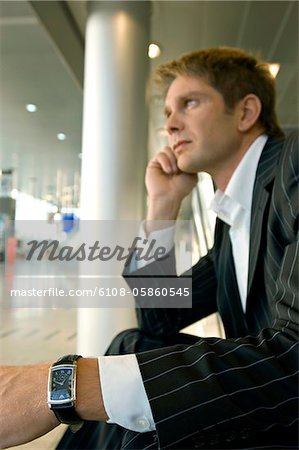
[166,160]
[171,156]
[164,163]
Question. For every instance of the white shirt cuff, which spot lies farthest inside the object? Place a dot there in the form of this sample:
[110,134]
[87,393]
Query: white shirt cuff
[163,237]
[124,395]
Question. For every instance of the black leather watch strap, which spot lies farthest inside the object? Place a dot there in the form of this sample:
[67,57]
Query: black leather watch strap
[67,415]
[66,359]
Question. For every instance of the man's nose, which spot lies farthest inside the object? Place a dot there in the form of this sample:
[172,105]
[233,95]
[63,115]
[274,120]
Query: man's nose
[174,123]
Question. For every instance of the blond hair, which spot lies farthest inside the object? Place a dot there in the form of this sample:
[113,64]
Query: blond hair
[233,73]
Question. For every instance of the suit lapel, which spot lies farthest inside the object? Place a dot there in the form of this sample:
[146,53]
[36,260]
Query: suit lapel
[260,202]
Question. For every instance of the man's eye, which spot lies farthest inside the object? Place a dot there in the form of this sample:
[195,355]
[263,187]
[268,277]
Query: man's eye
[190,103]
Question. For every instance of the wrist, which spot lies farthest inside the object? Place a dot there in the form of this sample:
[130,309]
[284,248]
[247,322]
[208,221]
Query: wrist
[161,214]
[89,405]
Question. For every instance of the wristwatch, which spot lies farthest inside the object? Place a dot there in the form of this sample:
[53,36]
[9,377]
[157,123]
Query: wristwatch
[62,391]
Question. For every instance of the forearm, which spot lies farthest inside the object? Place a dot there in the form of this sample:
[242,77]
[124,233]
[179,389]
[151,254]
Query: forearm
[23,398]
[25,414]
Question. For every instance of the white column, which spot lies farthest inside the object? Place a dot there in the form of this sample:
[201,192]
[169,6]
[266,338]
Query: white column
[114,146]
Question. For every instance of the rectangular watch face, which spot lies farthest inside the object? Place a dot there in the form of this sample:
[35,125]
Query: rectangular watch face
[61,385]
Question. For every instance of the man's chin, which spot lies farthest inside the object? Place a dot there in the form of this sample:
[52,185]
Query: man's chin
[186,167]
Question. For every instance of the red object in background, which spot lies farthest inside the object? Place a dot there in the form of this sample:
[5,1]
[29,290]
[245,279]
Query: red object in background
[11,250]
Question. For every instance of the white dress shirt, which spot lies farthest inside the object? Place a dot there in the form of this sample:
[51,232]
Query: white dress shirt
[124,396]
[234,207]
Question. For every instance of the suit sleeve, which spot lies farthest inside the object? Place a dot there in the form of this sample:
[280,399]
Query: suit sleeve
[164,321]
[231,390]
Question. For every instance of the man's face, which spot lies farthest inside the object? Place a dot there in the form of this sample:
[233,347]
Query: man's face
[202,134]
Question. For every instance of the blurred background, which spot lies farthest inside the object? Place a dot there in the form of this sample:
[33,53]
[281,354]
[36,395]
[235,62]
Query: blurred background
[42,67]
[78,121]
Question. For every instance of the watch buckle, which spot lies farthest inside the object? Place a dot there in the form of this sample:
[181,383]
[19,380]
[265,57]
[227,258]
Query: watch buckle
[76,427]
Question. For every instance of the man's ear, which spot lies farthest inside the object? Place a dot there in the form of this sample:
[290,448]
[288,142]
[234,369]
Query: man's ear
[250,110]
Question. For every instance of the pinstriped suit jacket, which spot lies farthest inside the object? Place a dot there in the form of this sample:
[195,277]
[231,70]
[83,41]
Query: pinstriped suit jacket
[238,392]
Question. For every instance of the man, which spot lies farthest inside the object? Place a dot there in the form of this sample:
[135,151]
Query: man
[239,392]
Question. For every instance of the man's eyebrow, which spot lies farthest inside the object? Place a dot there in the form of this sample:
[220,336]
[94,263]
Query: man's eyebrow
[191,93]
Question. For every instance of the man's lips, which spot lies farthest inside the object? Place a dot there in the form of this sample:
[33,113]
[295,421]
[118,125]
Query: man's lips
[180,145]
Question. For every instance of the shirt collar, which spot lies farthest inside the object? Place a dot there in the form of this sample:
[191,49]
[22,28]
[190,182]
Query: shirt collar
[231,205]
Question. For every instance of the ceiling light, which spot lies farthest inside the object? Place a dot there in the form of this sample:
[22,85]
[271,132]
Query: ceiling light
[31,107]
[274,69]
[61,136]
[154,51]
